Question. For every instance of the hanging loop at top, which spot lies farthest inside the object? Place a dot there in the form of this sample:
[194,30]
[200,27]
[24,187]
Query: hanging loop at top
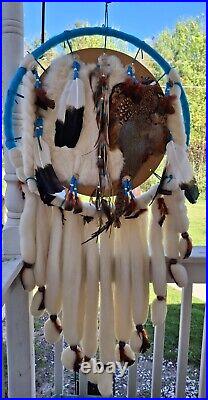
[43,24]
[106,19]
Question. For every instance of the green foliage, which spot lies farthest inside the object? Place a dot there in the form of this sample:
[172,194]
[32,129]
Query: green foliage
[95,41]
[47,57]
[184,48]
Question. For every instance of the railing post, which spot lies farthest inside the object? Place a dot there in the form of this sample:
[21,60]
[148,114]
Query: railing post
[58,368]
[159,334]
[13,51]
[20,347]
[202,379]
[132,380]
[183,344]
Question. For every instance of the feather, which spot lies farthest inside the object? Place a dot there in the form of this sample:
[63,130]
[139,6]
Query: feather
[42,100]
[68,132]
[70,112]
[70,201]
[191,191]
[76,95]
[47,183]
[165,105]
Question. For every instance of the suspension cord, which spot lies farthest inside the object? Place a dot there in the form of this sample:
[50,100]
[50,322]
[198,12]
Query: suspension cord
[43,23]
[106,19]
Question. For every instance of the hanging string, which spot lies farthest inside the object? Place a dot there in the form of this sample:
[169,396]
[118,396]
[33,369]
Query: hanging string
[160,77]
[70,46]
[43,23]
[106,19]
[142,54]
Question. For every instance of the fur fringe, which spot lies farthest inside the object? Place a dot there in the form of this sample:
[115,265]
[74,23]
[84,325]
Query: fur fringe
[29,114]
[28,227]
[53,298]
[89,341]
[158,265]
[106,328]
[72,277]
[122,289]
[42,242]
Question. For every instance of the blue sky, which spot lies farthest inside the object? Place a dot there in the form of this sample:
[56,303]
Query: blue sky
[142,19]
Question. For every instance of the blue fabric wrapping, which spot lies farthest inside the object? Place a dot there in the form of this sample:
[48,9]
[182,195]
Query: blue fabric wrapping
[8,108]
[74,33]
[38,127]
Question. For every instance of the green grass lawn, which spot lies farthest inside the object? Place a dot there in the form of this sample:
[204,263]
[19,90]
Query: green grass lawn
[172,327]
[197,218]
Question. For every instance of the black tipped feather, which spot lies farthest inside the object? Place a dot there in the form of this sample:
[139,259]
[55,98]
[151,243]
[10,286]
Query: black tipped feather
[191,191]
[47,183]
[68,132]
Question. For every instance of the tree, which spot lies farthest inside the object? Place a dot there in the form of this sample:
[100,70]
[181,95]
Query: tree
[184,48]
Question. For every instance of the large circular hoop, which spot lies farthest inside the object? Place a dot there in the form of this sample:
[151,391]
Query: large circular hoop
[74,33]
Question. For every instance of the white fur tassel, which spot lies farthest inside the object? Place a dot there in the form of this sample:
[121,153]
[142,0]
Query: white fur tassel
[145,198]
[53,295]
[28,227]
[158,312]
[122,291]
[177,158]
[106,328]
[53,271]
[180,274]
[52,329]
[68,357]
[172,252]
[185,245]
[28,279]
[72,282]
[43,221]
[92,376]
[89,341]
[35,306]
[178,163]
[178,211]
[128,353]
[105,382]
[158,266]
[28,111]
[139,263]
[175,121]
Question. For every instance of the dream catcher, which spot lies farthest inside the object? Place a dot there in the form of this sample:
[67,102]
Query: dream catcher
[98,125]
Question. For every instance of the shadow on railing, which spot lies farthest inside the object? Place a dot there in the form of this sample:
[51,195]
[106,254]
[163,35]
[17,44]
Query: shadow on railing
[149,377]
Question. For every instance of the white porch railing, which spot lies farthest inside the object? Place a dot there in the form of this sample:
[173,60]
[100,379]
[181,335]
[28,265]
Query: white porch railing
[20,347]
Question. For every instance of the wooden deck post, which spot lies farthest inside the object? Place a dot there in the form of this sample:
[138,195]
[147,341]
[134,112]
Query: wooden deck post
[20,349]
[19,323]
[13,52]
